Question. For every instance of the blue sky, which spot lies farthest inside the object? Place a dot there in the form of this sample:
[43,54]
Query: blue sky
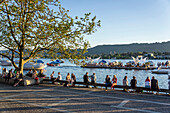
[125,21]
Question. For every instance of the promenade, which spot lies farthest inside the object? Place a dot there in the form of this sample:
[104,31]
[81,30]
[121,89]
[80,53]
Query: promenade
[48,98]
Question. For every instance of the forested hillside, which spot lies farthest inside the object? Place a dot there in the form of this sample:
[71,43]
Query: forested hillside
[135,47]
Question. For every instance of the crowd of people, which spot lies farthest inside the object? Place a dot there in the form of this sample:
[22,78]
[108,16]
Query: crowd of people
[152,84]
[71,79]
[18,77]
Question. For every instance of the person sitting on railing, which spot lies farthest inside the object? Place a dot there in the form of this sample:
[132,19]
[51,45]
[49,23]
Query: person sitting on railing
[125,83]
[57,79]
[148,83]
[52,77]
[10,75]
[68,80]
[93,79]
[154,84]
[133,83]
[29,74]
[73,80]
[114,80]
[41,74]
[107,82]
[18,78]
[4,72]
[86,78]
[34,76]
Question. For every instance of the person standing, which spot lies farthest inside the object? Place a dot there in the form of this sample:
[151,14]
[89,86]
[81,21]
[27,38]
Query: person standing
[125,83]
[114,80]
[86,78]
[93,79]
[107,81]
[133,82]
[154,84]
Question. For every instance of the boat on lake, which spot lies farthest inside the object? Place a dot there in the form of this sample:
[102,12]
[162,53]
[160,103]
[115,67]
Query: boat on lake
[6,63]
[161,71]
[55,63]
[37,65]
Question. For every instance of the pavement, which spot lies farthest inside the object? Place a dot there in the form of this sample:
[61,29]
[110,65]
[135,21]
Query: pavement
[49,98]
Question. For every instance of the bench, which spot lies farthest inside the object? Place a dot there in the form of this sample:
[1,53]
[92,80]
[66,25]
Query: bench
[25,82]
[138,89]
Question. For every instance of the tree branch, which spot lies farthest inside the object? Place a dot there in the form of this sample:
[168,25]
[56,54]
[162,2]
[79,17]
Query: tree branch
[11,25]
[10,49]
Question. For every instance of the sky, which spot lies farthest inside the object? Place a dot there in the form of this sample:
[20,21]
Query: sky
[125,21]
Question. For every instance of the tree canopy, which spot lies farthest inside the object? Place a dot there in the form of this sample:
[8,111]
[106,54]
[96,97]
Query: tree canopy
[31,27]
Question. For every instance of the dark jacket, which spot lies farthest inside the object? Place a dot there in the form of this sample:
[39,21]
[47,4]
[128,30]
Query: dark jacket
[86,78]
[154,84]
[133,83]
[108,80]
[41,75]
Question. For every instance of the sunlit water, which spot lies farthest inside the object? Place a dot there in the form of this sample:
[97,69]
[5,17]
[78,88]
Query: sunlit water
[141,75]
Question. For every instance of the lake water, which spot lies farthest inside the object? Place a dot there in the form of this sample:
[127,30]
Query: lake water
[141,75]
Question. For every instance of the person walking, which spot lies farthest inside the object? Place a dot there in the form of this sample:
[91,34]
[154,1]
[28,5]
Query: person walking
[154,84]
[86,78]
[133,83]
[107,82]
[125,83]
[93,79]
[114,80]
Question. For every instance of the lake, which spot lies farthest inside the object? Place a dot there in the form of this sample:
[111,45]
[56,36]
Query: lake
[68,67]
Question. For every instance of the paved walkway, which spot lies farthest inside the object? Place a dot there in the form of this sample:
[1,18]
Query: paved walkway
[47,98]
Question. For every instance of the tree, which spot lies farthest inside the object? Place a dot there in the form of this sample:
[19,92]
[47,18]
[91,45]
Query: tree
[31,27]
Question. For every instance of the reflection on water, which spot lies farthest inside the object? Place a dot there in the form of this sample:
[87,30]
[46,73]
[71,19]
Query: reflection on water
[141,75]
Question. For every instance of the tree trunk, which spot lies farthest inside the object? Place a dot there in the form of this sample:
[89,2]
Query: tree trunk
[21,62]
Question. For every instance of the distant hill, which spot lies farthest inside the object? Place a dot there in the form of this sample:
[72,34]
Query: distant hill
[134,47]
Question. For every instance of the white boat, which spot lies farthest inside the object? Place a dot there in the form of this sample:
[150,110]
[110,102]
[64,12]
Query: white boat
[32,65]
[161,71]
[6,63]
